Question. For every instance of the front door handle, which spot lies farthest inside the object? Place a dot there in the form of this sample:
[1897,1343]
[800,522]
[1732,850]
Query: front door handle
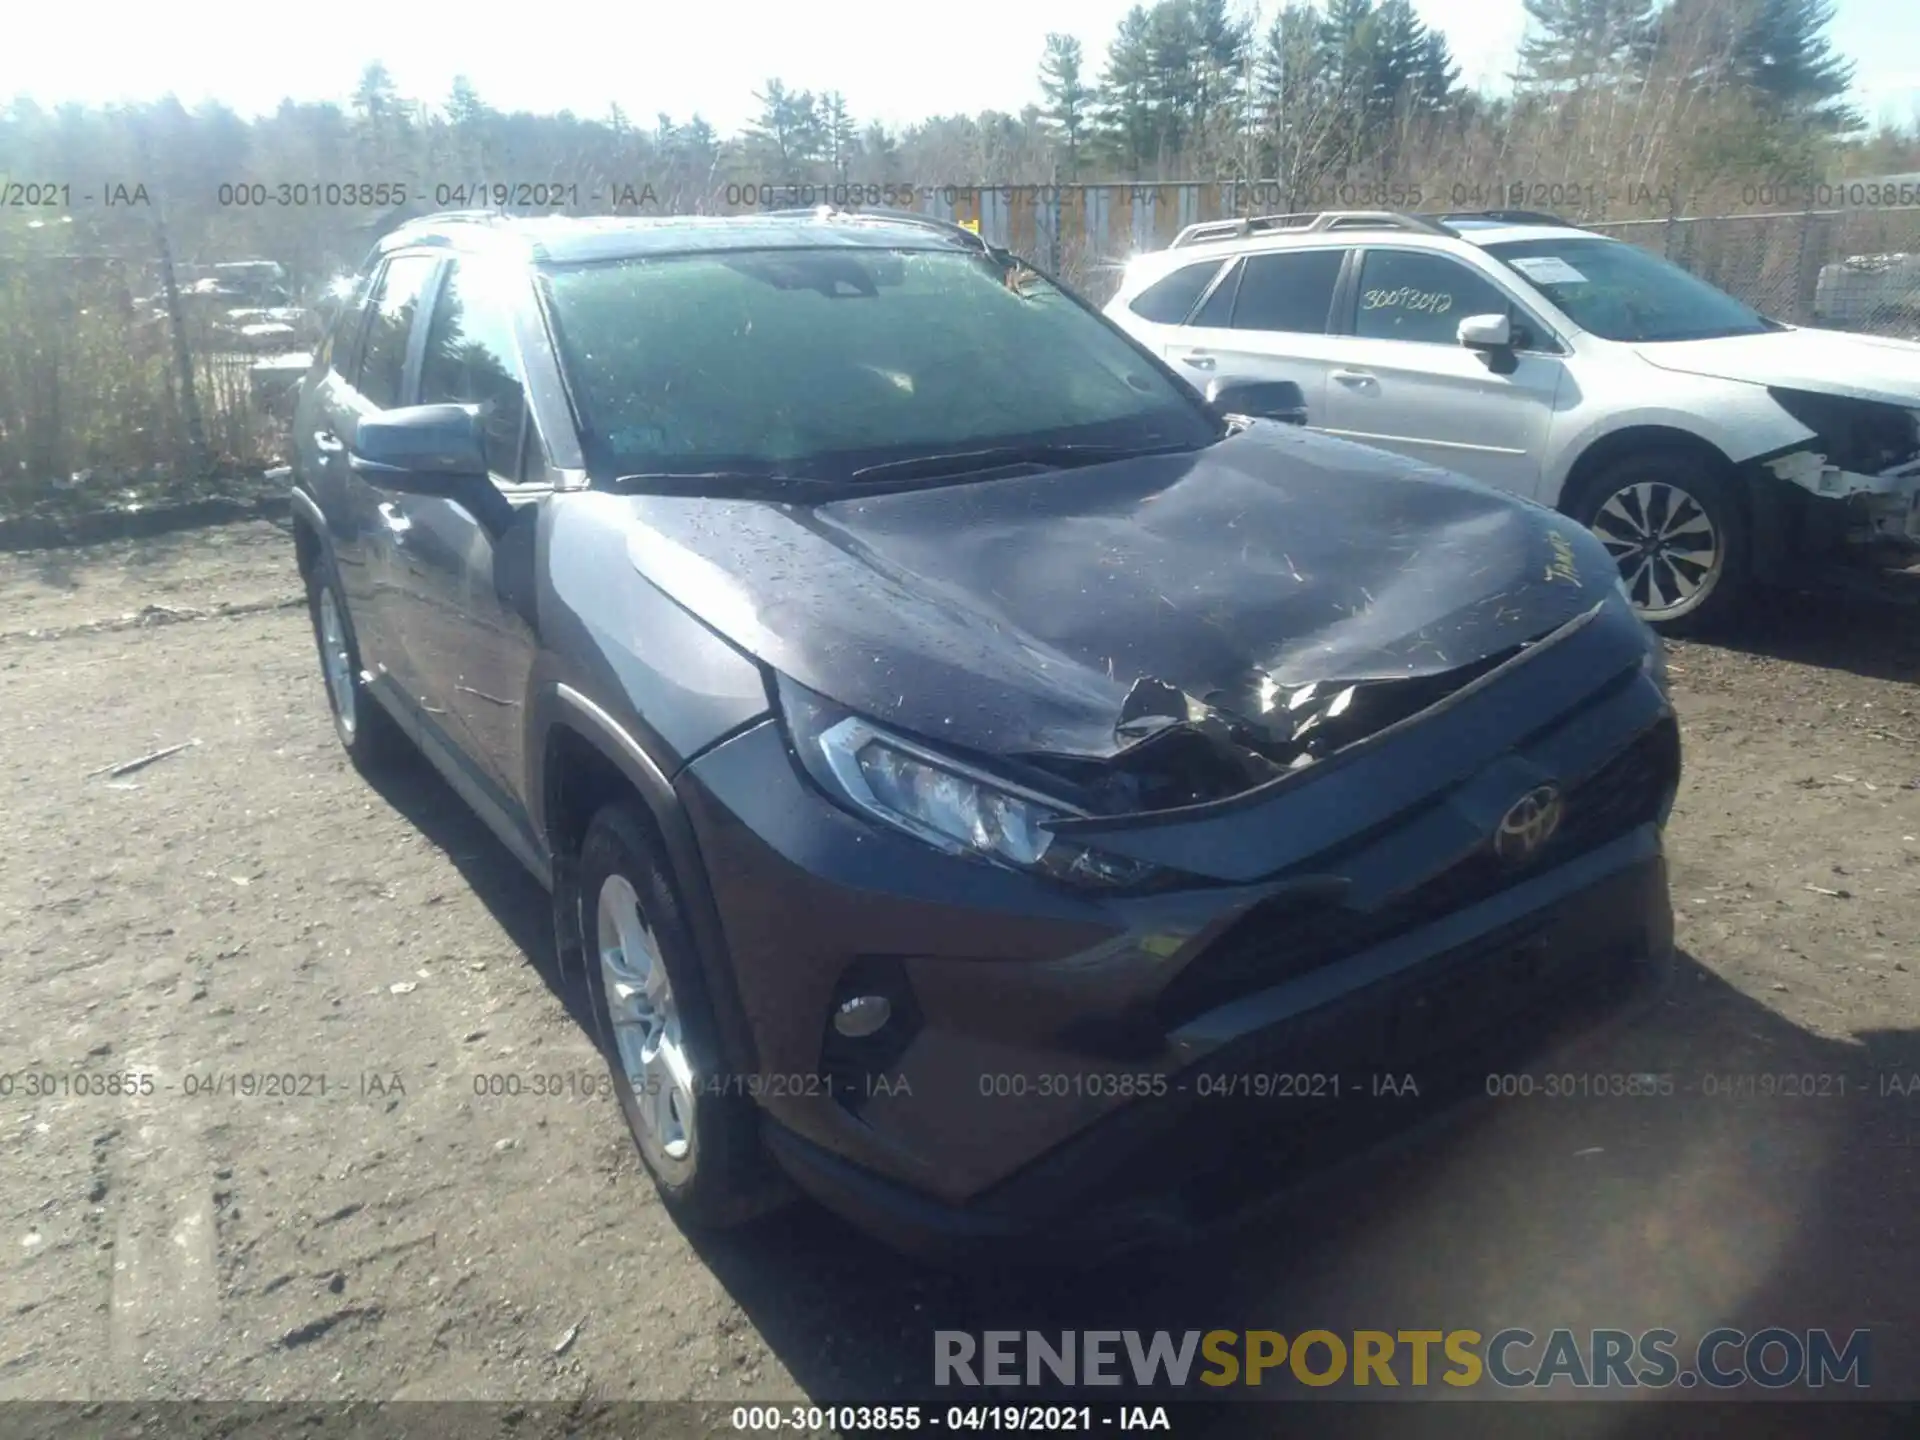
[1352,377]
[396,519]
[1198,359]
[328,443]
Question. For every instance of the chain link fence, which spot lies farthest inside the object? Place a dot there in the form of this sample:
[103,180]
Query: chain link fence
[93,407]
[93,402]
[1844,269]
[1851,269]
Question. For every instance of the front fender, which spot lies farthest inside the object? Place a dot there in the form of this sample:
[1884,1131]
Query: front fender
[646,685]
[1741,421]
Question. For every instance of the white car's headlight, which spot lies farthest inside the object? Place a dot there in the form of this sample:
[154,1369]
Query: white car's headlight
[957,808]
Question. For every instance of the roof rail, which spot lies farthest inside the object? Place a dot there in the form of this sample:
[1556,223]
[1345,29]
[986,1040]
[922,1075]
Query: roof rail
[459,217]
[896,217]
[1509,217]
[1305,222]
[427,229]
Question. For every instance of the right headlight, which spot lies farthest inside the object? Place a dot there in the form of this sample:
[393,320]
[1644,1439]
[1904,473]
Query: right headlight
[945,802]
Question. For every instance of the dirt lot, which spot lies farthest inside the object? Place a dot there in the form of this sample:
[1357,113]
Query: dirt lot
[250,905]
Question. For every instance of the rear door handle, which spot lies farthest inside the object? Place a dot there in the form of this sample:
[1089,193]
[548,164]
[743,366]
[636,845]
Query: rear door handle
[1198,359]
[327,443]
[1352,377]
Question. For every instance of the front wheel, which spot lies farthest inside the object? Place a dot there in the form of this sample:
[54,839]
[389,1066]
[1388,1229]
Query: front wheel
[697,1134]
[1678,533]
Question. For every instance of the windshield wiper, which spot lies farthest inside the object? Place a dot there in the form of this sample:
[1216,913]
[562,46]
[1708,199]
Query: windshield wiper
[747,484]
[963,462]
[1723,332]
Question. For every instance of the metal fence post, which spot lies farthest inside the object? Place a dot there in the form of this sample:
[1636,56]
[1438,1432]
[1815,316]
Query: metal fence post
[1806,279]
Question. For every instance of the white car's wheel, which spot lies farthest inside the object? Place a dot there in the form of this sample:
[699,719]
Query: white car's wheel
[1676,531]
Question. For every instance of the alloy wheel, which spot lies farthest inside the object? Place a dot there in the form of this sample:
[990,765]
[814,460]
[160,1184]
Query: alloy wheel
[647,1039]
[1668,549]
[336,659]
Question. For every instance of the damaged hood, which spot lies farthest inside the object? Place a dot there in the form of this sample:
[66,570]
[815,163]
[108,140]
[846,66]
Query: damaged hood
[1018,615]
[1830,362]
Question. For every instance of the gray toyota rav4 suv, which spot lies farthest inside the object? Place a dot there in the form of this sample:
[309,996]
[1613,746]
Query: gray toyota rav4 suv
[982,782]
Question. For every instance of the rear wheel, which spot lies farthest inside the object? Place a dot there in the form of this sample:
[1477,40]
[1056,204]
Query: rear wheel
[369,735]
[1677,531]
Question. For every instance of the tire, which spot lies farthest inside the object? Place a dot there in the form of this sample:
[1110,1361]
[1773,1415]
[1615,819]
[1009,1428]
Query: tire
[1655,498]
[698,1136]
[371,737]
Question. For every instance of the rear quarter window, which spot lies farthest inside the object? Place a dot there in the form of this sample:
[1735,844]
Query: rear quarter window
[1171,298]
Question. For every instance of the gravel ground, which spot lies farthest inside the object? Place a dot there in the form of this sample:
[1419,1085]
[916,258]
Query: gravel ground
[249,906]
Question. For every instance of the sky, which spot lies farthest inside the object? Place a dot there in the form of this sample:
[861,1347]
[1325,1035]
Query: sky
[893,61]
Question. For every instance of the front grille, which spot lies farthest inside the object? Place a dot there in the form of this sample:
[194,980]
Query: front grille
[1289,937]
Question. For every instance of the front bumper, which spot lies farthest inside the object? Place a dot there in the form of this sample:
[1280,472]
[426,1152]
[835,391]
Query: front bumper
[1049,1046]
[1296,1092]
[1804,508]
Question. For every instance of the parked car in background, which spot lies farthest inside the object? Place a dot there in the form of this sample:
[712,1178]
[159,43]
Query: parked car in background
[1870,292]
[1709,447]
[958,752]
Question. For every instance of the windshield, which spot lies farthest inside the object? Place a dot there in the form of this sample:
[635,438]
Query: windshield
[818,363]
[1621,292]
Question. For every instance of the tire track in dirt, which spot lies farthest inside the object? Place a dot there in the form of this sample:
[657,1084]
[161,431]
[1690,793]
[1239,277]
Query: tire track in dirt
[164,1303]
[160,1177]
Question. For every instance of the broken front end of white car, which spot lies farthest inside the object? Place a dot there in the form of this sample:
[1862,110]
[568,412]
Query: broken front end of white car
[1848,495]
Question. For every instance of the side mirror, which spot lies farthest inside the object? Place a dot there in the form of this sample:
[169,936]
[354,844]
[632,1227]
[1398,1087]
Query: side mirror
[1280,400]
[433,450]
[1486,332]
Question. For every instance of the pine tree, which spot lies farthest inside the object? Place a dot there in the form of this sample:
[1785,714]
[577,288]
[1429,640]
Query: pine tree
[464,105]
[841,135]
[1773,50]
[1068,97]
[1782,53]
[1400,40]
[1572,43]
[879,154]
[1128,127]
[1299,105]
[375,98]
[1220,54]
[1436,77]
[789,134]
[1349,57]
[1174,87]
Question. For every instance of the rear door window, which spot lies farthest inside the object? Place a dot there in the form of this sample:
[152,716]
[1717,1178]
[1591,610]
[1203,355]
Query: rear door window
[383,361]
[1216,311]
[337,346]
[1290,292]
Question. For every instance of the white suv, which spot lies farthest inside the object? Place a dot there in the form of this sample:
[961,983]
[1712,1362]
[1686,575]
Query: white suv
[1707,446]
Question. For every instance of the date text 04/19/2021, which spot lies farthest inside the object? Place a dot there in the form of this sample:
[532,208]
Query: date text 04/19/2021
[965,1419]
[39,1084]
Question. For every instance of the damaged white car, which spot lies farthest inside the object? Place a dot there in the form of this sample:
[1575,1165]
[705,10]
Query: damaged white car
[1709,447]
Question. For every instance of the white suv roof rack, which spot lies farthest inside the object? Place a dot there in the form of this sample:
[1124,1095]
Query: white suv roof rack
[1308,221]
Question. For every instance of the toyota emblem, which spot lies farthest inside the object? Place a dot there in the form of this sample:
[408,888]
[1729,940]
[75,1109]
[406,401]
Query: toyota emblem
[1529,825]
